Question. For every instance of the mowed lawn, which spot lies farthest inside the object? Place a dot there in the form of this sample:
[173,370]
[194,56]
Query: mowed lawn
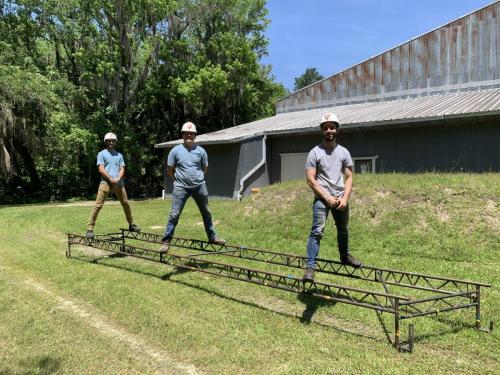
[97,314]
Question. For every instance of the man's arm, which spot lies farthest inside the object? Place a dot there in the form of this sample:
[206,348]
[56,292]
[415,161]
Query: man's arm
[105,174]
[171,171]
[205,169]
[347,188]
[318,190]
[120,175]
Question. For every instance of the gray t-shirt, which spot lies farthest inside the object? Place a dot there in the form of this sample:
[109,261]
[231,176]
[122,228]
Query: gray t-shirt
[330,166]
[189,164]
[112,162]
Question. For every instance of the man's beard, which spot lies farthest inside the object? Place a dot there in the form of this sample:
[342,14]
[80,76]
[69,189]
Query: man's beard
[329,138]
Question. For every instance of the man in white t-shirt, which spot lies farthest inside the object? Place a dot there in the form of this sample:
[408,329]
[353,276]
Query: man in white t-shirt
[329,174]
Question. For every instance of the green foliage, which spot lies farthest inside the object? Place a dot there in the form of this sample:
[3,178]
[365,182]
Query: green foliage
[310,76]
[81,68]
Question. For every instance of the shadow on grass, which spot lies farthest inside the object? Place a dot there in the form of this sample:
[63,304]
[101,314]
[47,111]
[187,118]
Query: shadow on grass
[39,365]
[312,303]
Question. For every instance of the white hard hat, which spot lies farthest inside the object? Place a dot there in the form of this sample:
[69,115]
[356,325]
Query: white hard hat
[189,127]
[110,136]
[329,117]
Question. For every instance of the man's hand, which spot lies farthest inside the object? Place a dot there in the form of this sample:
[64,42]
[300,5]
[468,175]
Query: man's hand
[342,204]
[333,202]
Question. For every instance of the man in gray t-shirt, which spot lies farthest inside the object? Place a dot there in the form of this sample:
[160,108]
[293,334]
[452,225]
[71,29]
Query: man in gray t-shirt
[329,174]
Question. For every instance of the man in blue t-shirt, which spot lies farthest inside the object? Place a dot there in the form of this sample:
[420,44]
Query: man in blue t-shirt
[112,169]
[187,164]
[329,174]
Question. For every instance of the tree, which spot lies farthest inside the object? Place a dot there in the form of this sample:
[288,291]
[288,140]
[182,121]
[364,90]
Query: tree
[310,76]
[139,68]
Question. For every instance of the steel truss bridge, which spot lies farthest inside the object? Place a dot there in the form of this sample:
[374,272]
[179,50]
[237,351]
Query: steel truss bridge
[418,294]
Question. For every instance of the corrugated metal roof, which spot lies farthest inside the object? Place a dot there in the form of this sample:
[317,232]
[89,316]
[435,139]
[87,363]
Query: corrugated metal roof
[362,115]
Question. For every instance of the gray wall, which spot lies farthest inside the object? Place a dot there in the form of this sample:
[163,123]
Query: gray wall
[462,55]
[468,144]
[465,144]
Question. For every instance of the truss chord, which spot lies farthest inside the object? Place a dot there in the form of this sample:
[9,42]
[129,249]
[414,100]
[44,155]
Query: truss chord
[323,264]
[403,307]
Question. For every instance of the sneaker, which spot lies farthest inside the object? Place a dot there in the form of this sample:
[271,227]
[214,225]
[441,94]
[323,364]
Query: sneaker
[164,246]
[308,274]
[134,228]
[89,235]
[349,260]
[217,241]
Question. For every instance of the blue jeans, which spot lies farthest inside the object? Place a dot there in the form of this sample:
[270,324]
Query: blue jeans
[320,214]
[180,196]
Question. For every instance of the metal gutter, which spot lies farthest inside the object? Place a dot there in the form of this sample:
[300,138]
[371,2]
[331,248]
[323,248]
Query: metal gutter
[254,169]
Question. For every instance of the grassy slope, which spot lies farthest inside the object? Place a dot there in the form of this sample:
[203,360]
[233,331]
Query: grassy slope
[438,224]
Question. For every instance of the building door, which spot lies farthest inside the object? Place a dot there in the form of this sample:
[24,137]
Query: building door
[365,164]
[293,166]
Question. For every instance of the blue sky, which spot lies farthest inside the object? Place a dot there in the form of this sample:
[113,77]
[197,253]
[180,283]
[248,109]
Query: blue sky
[333,35]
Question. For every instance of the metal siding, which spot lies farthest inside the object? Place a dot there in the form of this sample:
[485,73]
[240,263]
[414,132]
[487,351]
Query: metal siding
[460,53]
[287,144]
[448,146]
[221,176]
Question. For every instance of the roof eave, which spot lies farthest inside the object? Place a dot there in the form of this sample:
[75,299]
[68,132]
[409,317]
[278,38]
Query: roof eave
[212,142]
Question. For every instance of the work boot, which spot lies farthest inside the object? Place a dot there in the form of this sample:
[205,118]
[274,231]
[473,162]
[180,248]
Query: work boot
[217,241]
[164,246]
[308,274]
[134,228]
[89,235]
[349,260]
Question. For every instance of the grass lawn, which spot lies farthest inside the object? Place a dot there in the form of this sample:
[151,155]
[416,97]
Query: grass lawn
[121,315]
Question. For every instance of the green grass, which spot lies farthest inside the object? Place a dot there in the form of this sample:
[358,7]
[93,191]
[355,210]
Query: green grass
[127,316]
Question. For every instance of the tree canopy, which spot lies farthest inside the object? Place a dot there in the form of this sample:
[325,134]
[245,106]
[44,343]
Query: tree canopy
[310,76]
[72,70]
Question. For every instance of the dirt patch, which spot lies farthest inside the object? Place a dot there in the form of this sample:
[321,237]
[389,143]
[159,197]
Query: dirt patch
[441,214]
[139,347]
[422,223]
[492,215]
[383,193]
[83,204]
[450,191]
[200,223]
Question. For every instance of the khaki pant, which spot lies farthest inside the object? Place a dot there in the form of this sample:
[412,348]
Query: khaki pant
[102,194]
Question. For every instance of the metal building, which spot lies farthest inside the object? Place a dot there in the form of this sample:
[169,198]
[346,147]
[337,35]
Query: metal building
[430,104]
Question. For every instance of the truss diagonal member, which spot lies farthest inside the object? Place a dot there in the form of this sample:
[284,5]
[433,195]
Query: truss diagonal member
[434,305]
[380,277]
[391,277]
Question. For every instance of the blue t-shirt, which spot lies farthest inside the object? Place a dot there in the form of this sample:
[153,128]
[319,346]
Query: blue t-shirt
[112,162]
[189,165]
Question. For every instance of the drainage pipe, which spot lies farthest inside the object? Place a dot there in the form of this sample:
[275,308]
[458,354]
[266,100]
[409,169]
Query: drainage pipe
[254,169]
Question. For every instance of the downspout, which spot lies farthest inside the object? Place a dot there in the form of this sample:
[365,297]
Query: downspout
[254,169]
